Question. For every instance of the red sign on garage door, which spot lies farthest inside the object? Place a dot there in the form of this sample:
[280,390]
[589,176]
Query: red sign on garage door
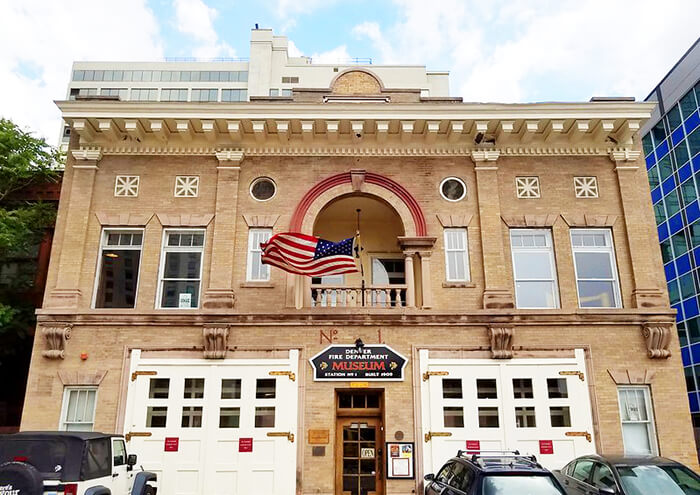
[473,446]
[245,445]
[546,447]
[172,444]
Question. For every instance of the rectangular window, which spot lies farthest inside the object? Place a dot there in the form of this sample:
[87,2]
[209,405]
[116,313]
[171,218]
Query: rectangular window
[120,92]
[638,434]
[534,269]
[256,271]
[456,255]
[78,410]
[290,79]
[118,268]
[596,269]
[175,94]
[181,269]
[234,94]
[144,94]
[205,95]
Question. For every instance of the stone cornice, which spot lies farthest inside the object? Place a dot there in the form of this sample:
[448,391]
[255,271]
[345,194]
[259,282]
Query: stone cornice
[87,154]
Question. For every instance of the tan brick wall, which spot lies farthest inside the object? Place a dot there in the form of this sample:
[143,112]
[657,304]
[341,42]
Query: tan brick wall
[356,83]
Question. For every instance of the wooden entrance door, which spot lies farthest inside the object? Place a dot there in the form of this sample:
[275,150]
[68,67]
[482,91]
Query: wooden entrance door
[359,456]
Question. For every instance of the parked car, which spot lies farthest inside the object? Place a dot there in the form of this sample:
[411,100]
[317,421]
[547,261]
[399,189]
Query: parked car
[70,463]
[492,473]
[620,475]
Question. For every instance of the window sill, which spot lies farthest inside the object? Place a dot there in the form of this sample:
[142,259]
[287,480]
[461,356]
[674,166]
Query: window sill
[257,285]
[460,285]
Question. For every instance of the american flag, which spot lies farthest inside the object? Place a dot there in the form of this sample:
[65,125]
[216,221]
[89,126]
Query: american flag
[308,255]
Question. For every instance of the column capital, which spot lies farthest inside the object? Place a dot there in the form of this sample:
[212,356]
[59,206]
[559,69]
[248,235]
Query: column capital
[485,155]
[624,155]
[231,158]
[83,155]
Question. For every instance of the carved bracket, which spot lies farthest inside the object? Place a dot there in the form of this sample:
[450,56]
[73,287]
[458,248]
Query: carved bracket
[56,341]
[501,339]
[215,342]
[657,337]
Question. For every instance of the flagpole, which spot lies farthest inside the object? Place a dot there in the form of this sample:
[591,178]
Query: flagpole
[358,250]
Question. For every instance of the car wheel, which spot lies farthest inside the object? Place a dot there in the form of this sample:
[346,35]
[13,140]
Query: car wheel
[149,490]
[22,478]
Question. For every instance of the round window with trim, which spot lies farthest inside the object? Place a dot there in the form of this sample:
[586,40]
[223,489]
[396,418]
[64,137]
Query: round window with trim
[263,189]
[453,189]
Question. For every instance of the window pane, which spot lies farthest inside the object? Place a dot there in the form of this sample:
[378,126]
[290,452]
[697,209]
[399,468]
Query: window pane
[525,417]
[594,294]
[72,405]
[680,246]
[182,265]
[229,417]
[194,388]
[522,388]
[532,265]
[593,265]
[535,294]
[156,417]
[192,417]
[159,388]
[583,470]
[635,437]
[119,453]
[451,388]
[173,294]
[488,417]
[557,389]
[118,280]
[265,388]
[560,416]
[486,388]
[453,417]
[264,417]
[231,388]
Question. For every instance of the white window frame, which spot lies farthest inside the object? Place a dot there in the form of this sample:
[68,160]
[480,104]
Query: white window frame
[465,253]
[650,421]
[256,251]
[103,244]
[610,249]
[549,249]
[179,249]
[63,423]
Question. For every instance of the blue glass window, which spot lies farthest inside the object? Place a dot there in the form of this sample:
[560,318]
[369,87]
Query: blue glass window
[674,117]
[677,136]
[683,264]
[682,335]
[665,167]
[659,132]
[688,192]
[680,153]
[653,177]
[692,122]
[675,223]
[666,253]
[694,231]
[692,212]
[648,145]
[688,105]
[693,327]
[679,244]
[687,285]
[672,203]
[694,142]
[690,307]
[659,212]
[674,294]
[670,271]
[684,172]
[689,379]
[668,185]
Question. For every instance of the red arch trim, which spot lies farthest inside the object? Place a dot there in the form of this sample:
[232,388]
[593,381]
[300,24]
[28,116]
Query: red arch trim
[371,178]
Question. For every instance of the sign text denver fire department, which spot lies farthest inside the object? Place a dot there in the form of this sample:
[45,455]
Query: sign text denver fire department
[347,362]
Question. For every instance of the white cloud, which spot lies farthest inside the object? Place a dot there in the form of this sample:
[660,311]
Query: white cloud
[195,19]
[292,50]
[334,56]
[41,39]
[517,50]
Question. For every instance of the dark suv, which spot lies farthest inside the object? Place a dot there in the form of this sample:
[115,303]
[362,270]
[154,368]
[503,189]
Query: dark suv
[492,473]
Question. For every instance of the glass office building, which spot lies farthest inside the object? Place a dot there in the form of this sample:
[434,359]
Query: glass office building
[672,150]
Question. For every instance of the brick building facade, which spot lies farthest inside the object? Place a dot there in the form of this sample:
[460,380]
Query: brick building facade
[508,257]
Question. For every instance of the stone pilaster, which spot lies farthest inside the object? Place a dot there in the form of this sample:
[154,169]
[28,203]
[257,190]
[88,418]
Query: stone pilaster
[496,295]
[634,191]
[66,294]
[220,293]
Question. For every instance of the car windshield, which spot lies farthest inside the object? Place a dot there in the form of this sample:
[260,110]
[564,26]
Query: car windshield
[669,480]
[520,485]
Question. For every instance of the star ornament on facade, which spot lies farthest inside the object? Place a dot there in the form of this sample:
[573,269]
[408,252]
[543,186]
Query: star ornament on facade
[186,186]
[126,186]
[527,187]
[586,187]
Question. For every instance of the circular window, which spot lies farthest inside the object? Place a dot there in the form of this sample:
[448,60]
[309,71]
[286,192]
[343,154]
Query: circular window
[263,189]
[453,189]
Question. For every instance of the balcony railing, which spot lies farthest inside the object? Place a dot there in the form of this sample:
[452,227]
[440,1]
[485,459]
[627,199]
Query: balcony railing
[375,296]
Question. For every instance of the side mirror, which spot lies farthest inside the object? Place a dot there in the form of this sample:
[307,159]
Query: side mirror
[131,460]
[429,477]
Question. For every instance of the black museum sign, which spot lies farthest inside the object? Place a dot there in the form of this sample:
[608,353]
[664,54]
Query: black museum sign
[348,362]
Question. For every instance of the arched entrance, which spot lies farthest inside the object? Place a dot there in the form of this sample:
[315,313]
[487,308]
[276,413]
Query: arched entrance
[393,235]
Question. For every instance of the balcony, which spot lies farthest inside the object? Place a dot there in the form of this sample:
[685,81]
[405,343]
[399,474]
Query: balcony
[374,296]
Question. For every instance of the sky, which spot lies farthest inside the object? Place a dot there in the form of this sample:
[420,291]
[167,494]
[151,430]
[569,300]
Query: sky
[498,50]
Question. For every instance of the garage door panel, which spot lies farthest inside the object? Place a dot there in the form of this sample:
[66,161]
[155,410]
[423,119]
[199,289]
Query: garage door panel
[210,407]
[510,405]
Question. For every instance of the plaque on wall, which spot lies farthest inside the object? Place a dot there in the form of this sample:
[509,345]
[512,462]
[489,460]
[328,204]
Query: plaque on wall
[349,362]
[400,461]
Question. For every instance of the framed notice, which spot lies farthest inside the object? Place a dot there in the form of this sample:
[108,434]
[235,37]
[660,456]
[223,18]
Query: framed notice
[400,460]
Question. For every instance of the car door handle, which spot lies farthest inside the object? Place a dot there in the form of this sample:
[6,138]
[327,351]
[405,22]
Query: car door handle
[115,475]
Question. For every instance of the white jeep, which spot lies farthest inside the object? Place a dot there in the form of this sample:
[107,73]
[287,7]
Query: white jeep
[70,463]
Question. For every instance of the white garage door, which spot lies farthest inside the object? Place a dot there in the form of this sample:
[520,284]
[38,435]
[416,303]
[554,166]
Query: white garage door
[536,406]
[215,428]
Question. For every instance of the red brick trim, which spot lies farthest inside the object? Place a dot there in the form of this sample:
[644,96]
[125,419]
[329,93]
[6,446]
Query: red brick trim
[370,178]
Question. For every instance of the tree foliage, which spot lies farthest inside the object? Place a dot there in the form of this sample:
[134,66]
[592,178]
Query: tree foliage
[25,161]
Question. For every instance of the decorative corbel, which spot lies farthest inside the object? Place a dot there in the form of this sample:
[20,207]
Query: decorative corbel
[215,342]
[658,337]
[357,178]
[56,341]
[501,339]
